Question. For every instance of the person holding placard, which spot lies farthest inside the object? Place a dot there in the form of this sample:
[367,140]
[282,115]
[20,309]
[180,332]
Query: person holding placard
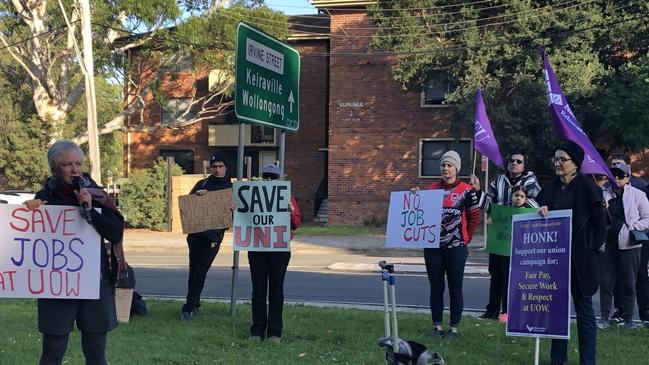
[500,193]
[460,217]
[68,185]
[571,190]
[267,272]
[203,246]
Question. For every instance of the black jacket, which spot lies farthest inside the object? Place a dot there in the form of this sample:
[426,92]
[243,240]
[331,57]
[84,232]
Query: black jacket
[212,183]
[588,230]
[109,223]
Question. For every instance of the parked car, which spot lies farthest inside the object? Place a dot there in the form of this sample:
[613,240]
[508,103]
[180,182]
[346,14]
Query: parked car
[15,197]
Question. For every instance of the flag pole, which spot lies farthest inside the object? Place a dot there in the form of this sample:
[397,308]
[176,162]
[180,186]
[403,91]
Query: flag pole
[485,216]
[475,157]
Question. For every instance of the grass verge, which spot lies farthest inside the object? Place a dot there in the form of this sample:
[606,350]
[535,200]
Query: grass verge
[311,336]
[308,230]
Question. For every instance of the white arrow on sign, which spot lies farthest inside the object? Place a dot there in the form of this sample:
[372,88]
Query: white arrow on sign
[291,100]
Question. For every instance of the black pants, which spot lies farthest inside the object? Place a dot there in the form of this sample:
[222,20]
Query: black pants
[627,263]
[498,285]
[447,262]
[201,256]
[607,278]
[93,345]
[642,284]
[267,272]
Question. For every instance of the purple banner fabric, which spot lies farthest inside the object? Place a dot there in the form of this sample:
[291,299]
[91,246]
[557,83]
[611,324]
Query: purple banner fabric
[484,139]
[566,126]
[539,276]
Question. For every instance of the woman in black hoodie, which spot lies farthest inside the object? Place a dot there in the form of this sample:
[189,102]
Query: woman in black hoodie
[203,246]
[94,318]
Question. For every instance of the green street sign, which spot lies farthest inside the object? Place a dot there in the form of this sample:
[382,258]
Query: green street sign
[267,80]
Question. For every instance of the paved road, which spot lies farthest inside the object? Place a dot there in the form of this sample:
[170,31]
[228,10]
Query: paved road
[308,286]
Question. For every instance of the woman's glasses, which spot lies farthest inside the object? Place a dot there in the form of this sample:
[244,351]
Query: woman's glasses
[515,160]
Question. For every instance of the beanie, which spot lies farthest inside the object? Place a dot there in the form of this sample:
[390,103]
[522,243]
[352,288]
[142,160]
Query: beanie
[573,150]
[218,156]
[453,158]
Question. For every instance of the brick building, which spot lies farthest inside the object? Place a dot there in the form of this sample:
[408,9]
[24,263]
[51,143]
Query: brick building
[361,135]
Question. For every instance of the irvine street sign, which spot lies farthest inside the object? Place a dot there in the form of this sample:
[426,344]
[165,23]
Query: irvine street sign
[267,80]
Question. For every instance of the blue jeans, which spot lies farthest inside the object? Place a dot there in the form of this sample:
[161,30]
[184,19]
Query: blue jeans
[447,262]
[586,333]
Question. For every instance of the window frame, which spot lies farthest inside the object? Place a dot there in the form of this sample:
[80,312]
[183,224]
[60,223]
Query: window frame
[464,173]
[442,103]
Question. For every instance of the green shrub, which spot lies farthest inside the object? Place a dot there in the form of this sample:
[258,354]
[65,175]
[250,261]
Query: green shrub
[144,198]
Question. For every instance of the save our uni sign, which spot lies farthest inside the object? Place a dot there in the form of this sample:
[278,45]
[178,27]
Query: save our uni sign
[267,80]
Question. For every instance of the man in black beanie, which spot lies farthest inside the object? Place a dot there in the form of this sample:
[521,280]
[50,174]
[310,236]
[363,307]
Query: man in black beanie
[203,246]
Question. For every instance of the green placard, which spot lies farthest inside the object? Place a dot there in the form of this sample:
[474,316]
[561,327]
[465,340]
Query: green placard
[499,237]
[267,80]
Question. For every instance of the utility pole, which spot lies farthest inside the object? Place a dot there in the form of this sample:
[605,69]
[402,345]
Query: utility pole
[91,101]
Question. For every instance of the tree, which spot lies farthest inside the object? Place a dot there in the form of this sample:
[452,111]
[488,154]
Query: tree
[595,48]
[37,37]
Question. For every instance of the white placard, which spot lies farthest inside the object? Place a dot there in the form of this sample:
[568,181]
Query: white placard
[50,252]
[414,219]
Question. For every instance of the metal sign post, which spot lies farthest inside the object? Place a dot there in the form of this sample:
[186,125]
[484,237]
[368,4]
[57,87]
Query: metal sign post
[235,256]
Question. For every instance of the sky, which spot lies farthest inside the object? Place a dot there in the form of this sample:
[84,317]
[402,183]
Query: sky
[292,7]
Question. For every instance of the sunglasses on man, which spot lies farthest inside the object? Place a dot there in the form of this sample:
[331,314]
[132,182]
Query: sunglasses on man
[515,160]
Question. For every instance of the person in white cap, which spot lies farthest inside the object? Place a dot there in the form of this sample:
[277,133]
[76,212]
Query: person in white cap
[460,217]
[267,272]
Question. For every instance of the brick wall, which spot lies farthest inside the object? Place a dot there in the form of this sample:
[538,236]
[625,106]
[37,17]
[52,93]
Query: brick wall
[374,128]
[305,164]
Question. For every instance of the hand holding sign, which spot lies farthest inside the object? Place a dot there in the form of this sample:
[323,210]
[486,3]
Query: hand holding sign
[414,219]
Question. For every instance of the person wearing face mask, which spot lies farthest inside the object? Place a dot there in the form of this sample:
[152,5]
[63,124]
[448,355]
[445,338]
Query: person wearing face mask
[571,190]
[203,246]
[267,272]
[500,193]
[628,208]
[94,318]
[460,217]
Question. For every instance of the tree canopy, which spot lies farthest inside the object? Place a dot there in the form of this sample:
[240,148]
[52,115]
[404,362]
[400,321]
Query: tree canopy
[598,49]
[41,83]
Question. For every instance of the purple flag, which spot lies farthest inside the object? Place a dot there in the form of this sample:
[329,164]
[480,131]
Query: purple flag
[566,126]
[484,139]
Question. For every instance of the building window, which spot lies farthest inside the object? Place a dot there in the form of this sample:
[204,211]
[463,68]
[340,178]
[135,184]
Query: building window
[435,89]
[173,109]
[262,134]
[180,63]
[184,158]
[431,151]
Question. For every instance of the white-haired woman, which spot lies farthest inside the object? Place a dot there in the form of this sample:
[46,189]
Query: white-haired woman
[94,318]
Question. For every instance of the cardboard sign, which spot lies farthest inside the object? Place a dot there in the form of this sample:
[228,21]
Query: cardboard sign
[262,221]
[499,237]
[414,219]
[50,252]
[199,213]
[539,275]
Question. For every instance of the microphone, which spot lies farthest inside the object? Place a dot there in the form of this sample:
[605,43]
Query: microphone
[77,184]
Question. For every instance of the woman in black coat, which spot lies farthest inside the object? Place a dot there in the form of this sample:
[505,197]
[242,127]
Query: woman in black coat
[94,318]
[571,190]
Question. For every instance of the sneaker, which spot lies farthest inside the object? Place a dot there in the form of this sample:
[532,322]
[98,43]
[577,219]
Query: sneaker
[503,318]
[274,339]
[188,316]
[630,325]
[487,315]
[645,324]
[255,338]
[451,335]
[436,333]
[616,321]
[602,324]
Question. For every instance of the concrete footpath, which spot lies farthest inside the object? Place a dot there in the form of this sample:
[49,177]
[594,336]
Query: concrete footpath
[324,252]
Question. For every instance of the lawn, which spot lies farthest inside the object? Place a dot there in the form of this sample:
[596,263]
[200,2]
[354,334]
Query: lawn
[311,336]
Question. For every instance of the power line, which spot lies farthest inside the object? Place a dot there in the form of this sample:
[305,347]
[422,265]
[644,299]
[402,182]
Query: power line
[265,22]
[25,40]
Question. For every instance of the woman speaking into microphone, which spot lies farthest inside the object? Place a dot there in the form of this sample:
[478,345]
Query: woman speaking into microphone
[68,185]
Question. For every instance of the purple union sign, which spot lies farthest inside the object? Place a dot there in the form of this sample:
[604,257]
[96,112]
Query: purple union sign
[539,276]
